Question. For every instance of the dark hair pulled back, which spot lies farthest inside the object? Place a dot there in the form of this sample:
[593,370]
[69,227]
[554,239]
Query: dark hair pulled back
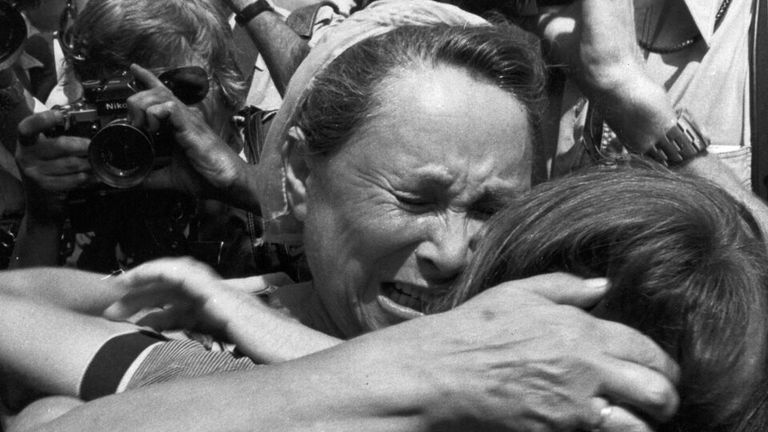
[344,94]
[687,266]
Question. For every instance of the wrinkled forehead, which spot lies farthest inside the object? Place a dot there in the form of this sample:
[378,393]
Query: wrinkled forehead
[444,127]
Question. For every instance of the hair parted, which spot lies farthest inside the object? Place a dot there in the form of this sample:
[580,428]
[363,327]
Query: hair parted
[345,93]
[687,266]
[112,34]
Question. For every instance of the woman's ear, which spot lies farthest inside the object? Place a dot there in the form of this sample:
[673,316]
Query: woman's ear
[296,172]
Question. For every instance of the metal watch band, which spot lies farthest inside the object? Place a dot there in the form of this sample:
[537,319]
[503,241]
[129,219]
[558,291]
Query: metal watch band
[252,11]
[681,143]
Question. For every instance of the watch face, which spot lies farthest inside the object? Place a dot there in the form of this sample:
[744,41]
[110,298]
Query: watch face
[13,33]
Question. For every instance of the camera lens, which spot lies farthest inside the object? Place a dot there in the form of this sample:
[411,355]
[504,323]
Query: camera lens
[121,154]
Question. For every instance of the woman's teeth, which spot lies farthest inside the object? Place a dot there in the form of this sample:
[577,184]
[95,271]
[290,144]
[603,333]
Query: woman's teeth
[405,295]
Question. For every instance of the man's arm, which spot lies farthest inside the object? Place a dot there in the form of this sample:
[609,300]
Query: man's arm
[88,293]
[191,295]
[283,50]
[508,359]
[48,348]
[596,39]
[50,167]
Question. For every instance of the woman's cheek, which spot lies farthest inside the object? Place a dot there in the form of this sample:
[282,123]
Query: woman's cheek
[392,230]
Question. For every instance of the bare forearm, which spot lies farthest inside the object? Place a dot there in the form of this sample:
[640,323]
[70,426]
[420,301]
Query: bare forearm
[641,113]
[282,49]
[638,110]
[333,390]
[266,336]
[53,347]
[70,289]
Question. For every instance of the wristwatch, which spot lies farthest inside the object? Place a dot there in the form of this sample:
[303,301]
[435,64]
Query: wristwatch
[252,11]
[681,143]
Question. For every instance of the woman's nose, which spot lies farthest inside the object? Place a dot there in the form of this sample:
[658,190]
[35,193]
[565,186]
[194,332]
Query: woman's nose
[448,250]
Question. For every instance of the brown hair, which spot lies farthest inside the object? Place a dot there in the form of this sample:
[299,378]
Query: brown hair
[687,266]
[345,94]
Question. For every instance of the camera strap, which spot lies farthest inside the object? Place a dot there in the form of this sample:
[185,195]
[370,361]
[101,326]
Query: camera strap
[255,127]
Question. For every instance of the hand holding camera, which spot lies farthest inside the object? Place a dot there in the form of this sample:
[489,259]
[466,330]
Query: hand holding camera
[201,164]
[139,126]
[128,130]
[50,166]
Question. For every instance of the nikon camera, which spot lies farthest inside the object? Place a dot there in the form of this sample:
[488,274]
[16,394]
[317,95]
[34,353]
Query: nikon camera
[120,154]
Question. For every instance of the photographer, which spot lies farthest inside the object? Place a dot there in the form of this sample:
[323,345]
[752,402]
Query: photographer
[128,226]
[27,72]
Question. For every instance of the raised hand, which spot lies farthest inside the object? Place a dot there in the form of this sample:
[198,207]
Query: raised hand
[202,165]
[512,359]
[181,293]
[51,166]
[595,40]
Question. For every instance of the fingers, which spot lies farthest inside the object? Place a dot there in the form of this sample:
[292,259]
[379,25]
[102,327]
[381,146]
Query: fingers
[63,183]
[146,297]
[255,284]
[607,417]
[619,419]
[144,76]
[50,167]
[56,164]
[176,281]
[644,389]
[63,146]
[171,271]
[140,104]
[64,166]
[149,108]
[33,125]
[628,344]
[158,113]
[565,289]
[636,371]
[172,318]
[562,288]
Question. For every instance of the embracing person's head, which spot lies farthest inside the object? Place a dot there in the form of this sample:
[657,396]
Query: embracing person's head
[402,131]
[686,263]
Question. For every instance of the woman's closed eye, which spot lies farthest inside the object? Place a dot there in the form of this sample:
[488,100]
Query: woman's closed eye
[414,202]
[488,205]
[483,212]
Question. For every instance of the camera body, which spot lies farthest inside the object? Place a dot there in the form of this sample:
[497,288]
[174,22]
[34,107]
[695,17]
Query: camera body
[121,154]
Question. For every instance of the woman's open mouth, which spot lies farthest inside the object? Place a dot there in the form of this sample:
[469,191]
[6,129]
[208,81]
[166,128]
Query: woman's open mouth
[403,300]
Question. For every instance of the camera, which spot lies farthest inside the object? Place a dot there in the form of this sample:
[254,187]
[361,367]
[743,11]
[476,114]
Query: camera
[121,154]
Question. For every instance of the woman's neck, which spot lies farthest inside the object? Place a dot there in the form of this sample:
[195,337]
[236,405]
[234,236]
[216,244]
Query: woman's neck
[301,302]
